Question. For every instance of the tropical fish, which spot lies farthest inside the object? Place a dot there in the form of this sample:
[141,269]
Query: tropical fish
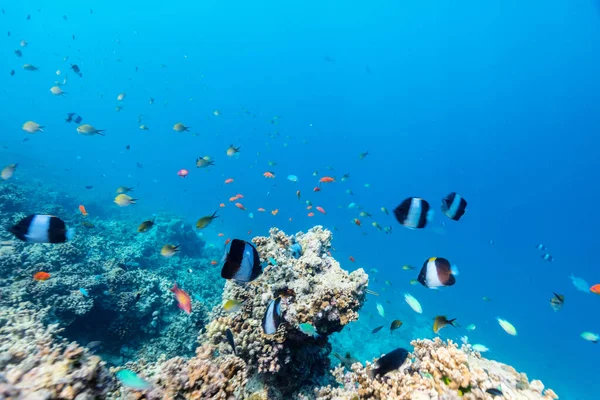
[57,91]
[89,130]
[131,380]
[229,336]
[413,213]
[145,226]
[203,162]
[437,272]
[206,220]
[232,306]
[169,250]
[507,326]
[363,155]
[471,327]
[84,292]
[557,301]
[83,211]
[480,348]
[347,360]
[494,392]
[308,329]
[38,228]
[269,175]
[272,317]
[327,179]
[29,67]
[377,329]
[183,173]
[124,200]
[32,127]
[179,127]
[292,178]
[380,310]
[121,96]
[595,289]
[41,276]
[124,189]
[454,206]
[441,321]
[580,284]
[183,299]
[321,209]
[395,325]
[413,303]
[242,263]
[387,363]
[541,247]
[547,257]
[408,267]
[231,150]
[8,171]
[590,337]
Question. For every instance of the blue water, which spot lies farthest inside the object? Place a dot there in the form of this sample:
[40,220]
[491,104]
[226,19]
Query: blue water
[498,102]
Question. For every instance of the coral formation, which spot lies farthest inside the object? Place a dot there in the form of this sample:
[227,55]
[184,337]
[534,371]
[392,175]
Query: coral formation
[34,364]
[435,370]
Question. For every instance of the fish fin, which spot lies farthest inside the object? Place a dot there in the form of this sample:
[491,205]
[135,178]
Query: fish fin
[372,373]
[70,233]
[430,215]
[214,215]
[99,132]
[451,322]
[454,270]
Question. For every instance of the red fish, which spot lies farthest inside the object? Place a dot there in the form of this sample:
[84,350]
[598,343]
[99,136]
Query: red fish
[356,221]
[595,289]
[221,234]
[229,240]
[41,276]
[183,299]
[326,179]
[213,262]
[352,259]
[83,211]
[269,175]
[321,209]
[228,181]
[240,206]
[311,214]
[222,205]
[183,173]
[317,189]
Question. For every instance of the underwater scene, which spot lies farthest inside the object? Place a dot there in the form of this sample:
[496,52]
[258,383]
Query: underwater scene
[299,200]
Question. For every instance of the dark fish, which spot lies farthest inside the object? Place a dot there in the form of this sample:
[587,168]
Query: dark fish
[395,325]
[272,318]
[229,336]
[242,263]
[454,206]
[78,119]
[145,226]
[28,17]
[389,362]
[440,321]
[436,272]
[347,360]
[89,187]
[138,296]
[547,257]
[12,73]
[73,36]
[494,392]
[69,117]
[413,213]
[377,329]
[76,69]
[128,147]
[19,53]
[65,17]
[139,165]
[26,140]
[557,301]
[42,229]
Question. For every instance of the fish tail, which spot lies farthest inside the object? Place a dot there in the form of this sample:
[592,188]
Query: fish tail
[451,322]
[372,372]
[99,132]
[70,233]
[174,288]
[132,201]
[454,270]
[214,215]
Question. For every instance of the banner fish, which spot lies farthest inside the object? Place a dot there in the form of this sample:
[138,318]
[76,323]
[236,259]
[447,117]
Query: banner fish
[242,263]
[42,229]
[413,213]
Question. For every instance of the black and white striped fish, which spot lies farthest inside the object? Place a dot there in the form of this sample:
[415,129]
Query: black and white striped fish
[454,206]
[437,272]
[42,229]
[413,213]
[242,263]
[272,318]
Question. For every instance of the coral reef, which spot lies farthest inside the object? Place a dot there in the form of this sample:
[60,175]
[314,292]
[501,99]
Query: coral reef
[435,370]
[110,282]
[34,364]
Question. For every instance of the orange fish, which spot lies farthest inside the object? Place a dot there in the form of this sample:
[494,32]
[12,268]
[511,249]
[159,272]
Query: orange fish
[222,205]
[240,206]
[326,179]
[213,262]
[275,211]
[311,214]
[261,209]
[228,181]
[221,234]
[269,175]
[317,189]
[41,276]
[329,253]
[229,240]
[321,209]
[82,210]
[239,196]
[595,289]
[356,221]
[183,299]
[352,259]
